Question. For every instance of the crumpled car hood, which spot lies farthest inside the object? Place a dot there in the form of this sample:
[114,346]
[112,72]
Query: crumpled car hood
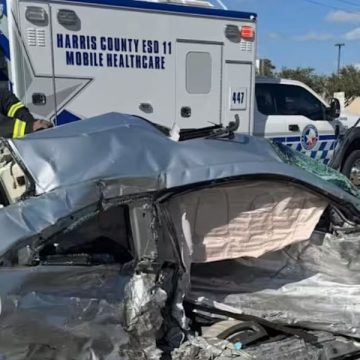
[141,158]
[77,165]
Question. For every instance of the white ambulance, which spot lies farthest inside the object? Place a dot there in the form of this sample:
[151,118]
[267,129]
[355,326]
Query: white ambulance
[193,65]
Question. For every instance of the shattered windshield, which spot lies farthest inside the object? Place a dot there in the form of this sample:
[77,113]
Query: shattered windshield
[296,158]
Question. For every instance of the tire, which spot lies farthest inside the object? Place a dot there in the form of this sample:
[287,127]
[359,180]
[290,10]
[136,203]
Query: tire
[349,164]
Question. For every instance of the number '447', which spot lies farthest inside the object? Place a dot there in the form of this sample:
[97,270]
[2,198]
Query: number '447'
[238,97]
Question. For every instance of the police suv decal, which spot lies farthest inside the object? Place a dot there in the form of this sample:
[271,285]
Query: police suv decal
[306,143]
[309,137]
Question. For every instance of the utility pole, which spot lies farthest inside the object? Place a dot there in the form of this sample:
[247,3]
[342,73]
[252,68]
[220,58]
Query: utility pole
[339,46]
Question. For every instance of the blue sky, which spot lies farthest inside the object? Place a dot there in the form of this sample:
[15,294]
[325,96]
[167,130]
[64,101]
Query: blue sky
[302,33]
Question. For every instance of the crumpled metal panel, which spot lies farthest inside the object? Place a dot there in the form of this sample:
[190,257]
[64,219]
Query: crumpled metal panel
[32,217]
[88,313]
[313,284]
[58,313]
[327,347]
[205,349]
[129,150]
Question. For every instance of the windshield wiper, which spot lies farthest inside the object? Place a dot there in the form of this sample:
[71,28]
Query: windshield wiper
[211,132]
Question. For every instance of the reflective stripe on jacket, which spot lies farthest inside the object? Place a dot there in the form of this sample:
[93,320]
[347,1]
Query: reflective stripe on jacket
[15,119]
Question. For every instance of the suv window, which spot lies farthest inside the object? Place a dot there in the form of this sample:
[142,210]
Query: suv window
[278,99]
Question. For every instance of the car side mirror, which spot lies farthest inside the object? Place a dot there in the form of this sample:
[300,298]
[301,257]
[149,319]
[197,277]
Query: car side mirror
[335,108]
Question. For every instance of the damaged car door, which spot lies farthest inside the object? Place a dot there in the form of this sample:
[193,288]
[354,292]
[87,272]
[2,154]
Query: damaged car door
[80,292]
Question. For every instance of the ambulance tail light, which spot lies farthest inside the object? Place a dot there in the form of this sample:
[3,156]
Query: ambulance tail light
[247,33]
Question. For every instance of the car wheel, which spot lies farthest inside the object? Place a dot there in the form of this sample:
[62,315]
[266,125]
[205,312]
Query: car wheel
[351,168]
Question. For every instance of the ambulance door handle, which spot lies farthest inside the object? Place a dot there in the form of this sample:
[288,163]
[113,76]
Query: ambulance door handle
[294,127]
[39,99]
[185,111]
[146,108]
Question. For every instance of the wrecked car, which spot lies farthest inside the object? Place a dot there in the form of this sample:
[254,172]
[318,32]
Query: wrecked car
[119,243]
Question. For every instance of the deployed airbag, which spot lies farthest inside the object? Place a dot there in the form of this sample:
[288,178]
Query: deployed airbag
[244,219]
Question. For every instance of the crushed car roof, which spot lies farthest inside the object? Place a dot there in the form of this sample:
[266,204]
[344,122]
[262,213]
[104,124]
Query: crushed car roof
[141,158]
[78,165]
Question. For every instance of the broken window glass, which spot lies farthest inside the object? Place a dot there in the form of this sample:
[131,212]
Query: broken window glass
[315,167]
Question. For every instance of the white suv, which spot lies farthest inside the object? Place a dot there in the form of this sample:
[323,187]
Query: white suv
[290,112]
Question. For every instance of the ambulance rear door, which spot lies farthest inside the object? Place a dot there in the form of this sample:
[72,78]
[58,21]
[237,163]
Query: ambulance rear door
[31,63]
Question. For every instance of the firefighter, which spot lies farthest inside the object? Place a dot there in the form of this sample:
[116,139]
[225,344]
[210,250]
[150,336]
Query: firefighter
[15,119]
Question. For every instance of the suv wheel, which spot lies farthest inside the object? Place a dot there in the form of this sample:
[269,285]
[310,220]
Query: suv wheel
[351,168]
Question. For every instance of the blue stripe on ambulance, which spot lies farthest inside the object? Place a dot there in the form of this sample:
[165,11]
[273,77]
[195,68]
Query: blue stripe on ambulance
[66,117]
[4,41]
[4,7]
[4,45]
[173,8]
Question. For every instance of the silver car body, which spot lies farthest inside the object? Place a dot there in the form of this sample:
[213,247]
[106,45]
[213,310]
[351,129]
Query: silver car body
[64,307]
